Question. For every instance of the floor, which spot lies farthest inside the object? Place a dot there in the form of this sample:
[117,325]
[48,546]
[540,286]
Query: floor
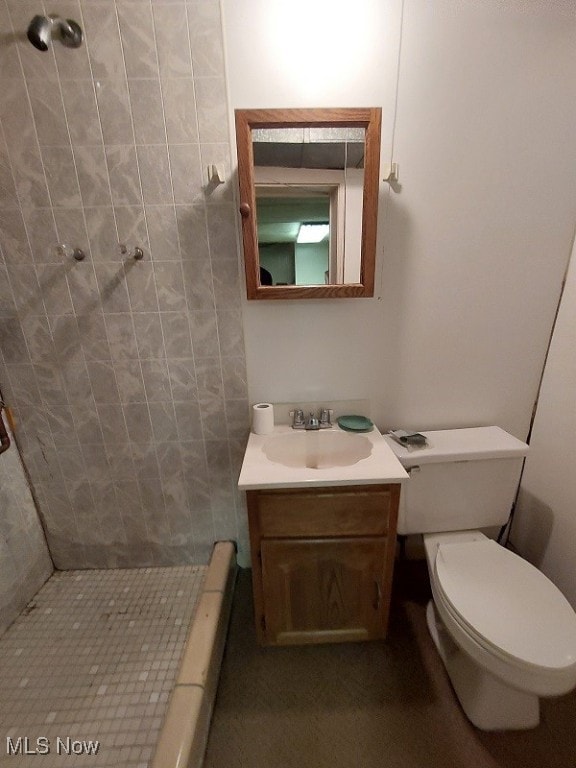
[86,670]
[363,705]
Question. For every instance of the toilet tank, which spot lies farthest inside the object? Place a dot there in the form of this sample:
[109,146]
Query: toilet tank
[463,479]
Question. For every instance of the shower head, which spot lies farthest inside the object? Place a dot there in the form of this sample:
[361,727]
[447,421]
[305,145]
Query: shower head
[42,28]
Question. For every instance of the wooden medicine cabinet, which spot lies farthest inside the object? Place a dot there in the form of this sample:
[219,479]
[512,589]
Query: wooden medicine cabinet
[308,183]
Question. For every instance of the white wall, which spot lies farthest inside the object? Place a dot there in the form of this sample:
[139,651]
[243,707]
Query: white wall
[472,249]
[544,528]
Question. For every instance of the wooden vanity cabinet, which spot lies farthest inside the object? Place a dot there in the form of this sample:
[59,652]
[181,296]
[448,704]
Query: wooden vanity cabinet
[322,562]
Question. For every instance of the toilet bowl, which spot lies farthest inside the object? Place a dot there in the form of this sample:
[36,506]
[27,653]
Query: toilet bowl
[505,633]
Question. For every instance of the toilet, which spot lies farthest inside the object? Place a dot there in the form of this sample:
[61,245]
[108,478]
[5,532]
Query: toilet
[505,633]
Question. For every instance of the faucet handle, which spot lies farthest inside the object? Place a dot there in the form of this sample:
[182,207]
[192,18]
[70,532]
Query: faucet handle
[297,417]
[325,417]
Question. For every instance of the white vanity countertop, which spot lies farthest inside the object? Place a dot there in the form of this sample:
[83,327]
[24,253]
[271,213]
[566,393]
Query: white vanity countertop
[260,471]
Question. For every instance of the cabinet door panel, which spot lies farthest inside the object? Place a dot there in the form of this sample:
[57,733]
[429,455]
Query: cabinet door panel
[324,590]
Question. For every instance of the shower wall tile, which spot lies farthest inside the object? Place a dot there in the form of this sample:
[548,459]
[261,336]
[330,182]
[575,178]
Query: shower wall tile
[102,36]
[82,113]
[36,330]
[147,111]
[71,228]
[48,111]
[127,378]
[61,175]
[170,281]
[205,40]
[155,174]
[225,275]
[25,562]
[85,298]
[8,195]
[131,226]
[187,180]
[29,176]
[114,108]
[211,109]
[193,235]
[222,232]
[124,175]
[9,61]
[141,285]
[113,290]
[204,329]
[42,235]
[54,289]
[103,379]
[7,304]
[171,26]
[13,237]
[121,336]
[180,109]
[137,31]
[156,381]
[182,375]
[163,232]
[16,114]
[199,284]
[93,175]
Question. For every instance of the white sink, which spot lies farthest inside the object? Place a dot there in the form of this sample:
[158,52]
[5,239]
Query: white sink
[318,449]
[289,458]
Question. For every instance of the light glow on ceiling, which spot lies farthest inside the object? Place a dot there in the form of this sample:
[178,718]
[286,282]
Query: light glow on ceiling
[312,233]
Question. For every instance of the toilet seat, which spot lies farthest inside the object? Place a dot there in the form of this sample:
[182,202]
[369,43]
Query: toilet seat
[506,605]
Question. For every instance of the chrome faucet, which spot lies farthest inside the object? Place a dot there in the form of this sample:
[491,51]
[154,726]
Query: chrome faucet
[311,422]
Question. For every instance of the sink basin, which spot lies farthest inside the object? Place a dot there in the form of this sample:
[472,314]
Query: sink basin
[289,458]
[317,449]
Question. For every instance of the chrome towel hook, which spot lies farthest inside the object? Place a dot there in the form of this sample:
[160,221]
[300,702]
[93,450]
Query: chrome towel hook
[136,252]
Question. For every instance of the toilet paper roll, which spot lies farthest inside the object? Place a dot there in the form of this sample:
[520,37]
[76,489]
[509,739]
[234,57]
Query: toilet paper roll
[262,418]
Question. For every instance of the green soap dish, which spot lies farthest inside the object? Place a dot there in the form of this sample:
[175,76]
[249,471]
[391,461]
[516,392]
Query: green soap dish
[355,423]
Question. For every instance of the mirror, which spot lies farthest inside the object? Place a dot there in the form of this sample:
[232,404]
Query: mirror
[309,201]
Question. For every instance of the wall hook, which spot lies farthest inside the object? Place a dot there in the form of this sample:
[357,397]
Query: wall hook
[63,250]
[216,174]
[137,253]
[392,177]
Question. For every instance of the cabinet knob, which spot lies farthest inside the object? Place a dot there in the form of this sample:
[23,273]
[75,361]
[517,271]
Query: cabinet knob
[244,210]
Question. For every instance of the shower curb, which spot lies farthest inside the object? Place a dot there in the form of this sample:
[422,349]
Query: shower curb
[184,734]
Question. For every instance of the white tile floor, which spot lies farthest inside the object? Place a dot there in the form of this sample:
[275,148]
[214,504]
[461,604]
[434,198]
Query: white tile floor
[93,658]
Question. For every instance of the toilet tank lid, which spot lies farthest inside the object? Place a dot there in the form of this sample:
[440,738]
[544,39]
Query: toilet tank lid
[466,444]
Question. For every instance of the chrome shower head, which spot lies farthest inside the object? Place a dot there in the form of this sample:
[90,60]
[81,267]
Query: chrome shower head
[42,28]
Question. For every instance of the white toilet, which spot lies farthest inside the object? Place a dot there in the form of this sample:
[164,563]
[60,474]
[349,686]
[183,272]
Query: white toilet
[504,631]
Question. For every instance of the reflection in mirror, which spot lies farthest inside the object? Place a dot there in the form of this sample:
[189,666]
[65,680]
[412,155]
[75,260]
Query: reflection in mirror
[308,182]
[309,201]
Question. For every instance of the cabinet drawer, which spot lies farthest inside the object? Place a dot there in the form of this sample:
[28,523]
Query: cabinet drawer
[355,511]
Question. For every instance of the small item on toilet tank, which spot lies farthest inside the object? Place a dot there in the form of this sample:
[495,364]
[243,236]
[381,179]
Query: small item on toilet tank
[412,439]
[262,418]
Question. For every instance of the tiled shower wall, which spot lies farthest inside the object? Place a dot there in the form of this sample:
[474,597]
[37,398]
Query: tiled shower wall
[127,378]
[24,559]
